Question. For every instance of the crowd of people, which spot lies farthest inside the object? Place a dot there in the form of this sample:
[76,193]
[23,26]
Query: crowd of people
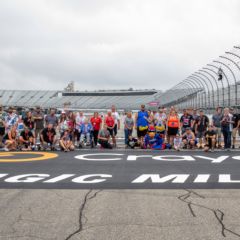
[162,129]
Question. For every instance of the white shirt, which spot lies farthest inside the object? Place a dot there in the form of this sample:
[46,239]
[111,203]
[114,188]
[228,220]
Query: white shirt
[116,117]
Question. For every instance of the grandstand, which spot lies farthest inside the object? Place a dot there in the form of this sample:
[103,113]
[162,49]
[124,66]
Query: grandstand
[78,99]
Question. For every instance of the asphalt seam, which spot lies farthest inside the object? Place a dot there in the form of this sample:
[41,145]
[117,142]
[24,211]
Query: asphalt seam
[218,214]
[86,199]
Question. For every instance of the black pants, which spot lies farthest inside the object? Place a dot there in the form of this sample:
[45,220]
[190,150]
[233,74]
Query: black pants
[227,136]
[95,136]
[105,144]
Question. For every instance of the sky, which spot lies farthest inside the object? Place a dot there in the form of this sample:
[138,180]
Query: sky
[111,44]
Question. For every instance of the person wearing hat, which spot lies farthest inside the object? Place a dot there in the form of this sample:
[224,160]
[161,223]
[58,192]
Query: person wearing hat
[26,140]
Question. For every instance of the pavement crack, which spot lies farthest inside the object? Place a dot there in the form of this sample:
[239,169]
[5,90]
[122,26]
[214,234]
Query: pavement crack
[218,214]
[86,199]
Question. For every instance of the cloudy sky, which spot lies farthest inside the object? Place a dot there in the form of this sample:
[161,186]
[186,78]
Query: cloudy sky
[111,44]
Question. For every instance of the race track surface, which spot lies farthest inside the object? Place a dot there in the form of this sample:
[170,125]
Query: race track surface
[120,169]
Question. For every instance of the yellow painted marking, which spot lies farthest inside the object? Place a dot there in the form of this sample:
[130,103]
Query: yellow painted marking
[43,156]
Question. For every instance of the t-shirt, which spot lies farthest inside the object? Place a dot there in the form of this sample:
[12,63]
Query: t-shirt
[96,122]
[129,122]
[26,135]
[116,117]
[217,120]
[235,119]
[186,120]
[79,121]
[29,122]
[202,123]
[210,133]
[48,134]
[11,120]
[110,121]
[39,123]
[51,120]
[104,133]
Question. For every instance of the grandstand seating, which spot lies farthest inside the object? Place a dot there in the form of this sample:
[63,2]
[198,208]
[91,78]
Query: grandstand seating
[78,100]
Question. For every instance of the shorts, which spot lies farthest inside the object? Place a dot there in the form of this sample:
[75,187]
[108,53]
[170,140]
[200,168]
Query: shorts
[218,131]
[141,133]
[200,134]
[172,131]
[234,132]
[2,131]
[111,131]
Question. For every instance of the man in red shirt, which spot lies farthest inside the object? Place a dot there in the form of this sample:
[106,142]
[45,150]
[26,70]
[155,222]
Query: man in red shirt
[110,122]
[96,122]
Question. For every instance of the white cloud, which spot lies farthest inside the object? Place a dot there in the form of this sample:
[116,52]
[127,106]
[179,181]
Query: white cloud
[111,44]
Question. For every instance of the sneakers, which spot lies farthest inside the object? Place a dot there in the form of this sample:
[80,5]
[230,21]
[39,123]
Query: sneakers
[6,149]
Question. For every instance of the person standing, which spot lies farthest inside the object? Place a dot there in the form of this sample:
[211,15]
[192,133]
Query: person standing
[128,127]
[96,122]
[29,121]
[2,125]
[51,118]
[225,123]
[38,118]
[11,119]
[236,125]
[116,117]
[173,125]
[202,123]
[186,121]
[216,121]
[80,119]
[141,124]
[110,122]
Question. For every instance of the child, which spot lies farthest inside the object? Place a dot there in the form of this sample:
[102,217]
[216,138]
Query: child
[177,142]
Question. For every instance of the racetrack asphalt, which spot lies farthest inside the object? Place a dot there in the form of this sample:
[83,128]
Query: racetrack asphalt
[120,169]
[64,204]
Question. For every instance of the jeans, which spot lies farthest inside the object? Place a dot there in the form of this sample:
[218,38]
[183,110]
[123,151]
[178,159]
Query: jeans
[227,136]
[127,133]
